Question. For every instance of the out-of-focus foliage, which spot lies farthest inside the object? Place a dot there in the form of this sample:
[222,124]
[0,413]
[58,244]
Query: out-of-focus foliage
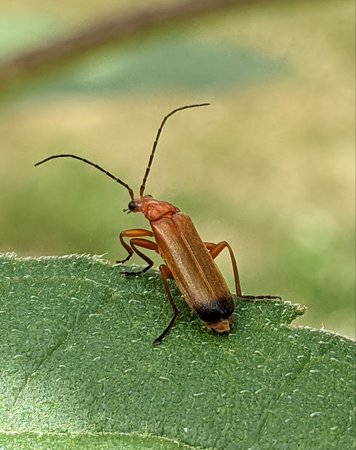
[269,167]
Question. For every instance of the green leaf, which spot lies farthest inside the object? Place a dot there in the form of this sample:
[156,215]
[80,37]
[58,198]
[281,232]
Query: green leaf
[78,369]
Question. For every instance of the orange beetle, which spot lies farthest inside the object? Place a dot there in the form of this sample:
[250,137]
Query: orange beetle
[188,260]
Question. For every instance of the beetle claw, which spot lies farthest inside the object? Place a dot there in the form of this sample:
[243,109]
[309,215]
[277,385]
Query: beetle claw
[122,261]
[130,274]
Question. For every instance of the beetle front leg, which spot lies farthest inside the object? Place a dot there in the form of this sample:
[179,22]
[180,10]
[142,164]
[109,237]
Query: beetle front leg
[165,274]
[138,232]
[145,243]
[215,250]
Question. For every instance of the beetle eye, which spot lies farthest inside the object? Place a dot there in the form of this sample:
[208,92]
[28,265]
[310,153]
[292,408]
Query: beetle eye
[132,206]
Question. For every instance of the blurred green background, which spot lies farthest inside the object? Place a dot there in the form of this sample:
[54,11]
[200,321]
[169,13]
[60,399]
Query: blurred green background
[269,167]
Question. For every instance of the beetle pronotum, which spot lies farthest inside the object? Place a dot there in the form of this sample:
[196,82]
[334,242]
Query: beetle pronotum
[188,260]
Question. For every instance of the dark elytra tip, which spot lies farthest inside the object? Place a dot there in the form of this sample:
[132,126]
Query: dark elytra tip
[214,310]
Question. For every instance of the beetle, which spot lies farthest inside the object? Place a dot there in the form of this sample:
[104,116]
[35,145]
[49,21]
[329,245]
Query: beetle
[187,259]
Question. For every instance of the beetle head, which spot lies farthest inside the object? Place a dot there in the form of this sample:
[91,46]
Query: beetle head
[222,326]
[152,209]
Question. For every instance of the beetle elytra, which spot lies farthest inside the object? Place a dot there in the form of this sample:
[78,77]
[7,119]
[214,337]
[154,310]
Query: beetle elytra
[187,259]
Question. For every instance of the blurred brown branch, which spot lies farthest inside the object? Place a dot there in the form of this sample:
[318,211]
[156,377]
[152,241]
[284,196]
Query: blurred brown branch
[112,29]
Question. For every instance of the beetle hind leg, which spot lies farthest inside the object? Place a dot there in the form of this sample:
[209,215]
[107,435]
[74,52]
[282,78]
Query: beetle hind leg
[215,250]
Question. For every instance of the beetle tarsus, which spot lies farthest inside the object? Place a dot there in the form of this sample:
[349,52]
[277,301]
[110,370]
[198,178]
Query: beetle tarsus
[160,338]
[259,297]
[122,261]
[138,272]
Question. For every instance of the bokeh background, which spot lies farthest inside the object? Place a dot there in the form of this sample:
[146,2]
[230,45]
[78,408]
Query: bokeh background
[269,166]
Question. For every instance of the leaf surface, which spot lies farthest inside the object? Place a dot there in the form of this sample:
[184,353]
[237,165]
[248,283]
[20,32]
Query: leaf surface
[78,369]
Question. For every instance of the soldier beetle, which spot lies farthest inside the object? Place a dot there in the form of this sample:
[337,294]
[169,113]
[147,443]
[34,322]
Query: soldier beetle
[187,259]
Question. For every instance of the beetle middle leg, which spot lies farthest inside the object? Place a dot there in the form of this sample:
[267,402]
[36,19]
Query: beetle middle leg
[215,250]
[165,274]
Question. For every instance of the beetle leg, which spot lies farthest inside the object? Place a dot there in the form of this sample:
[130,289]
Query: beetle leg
[215,250]
[165,274]
[139,232]
[145,243]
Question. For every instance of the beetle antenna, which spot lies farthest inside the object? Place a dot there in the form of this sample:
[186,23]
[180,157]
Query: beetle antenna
[91,164]
[142,188]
